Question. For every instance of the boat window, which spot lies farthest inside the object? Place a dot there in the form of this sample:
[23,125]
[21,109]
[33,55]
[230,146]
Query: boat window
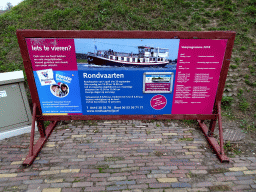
[111,57]
[122,58]
[162,50]
[133,59]
[116,58]
[141,50]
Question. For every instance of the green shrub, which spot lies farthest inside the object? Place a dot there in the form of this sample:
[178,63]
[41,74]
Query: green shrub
[244,105]
[217,14]
[252,70]
[226,15]
[204,21]
[243,48]
[237,60]
[246,76]
[208,14]
[187,4]
[226,102]
[247,82]
[233,66]
[240,92]
[251,10]
[46,123]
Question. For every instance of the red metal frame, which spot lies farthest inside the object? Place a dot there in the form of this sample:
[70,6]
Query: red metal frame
[44,134]
[218,148]
[37,112]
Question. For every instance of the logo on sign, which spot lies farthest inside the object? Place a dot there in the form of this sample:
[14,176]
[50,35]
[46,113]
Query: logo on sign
[45,74]
[46,77]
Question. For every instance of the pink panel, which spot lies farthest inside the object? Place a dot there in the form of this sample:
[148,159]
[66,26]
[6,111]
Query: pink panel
[55,54]
[197,75]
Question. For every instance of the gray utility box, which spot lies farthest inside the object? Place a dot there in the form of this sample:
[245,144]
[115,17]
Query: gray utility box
[14,107]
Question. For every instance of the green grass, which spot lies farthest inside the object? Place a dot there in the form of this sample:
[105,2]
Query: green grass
[219,188]
[155,15]
[158,153]
[226,102]
[186,139]
[46,123]
[229,114]
[232,148]
[248,127]
[243,104]
[233,66]
[189,121]
[114,158]
[218,170]
[90,122]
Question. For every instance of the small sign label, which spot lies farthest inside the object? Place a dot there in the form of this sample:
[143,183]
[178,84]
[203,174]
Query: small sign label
[157,82]
[3,94]
[46,77]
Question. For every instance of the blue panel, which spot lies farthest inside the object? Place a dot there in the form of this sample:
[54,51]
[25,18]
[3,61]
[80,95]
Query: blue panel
[61,94]
[119,91]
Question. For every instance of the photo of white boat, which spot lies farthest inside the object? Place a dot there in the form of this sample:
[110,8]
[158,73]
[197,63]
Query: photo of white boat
[130,53]
[146,57]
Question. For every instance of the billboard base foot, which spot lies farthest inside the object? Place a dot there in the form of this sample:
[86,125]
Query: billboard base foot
[218,148]
[39,144]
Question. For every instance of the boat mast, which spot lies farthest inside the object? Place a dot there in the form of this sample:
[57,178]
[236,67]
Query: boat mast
[94,45]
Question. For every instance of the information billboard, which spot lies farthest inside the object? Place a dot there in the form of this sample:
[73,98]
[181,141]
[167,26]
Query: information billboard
[126,76]
[94,75]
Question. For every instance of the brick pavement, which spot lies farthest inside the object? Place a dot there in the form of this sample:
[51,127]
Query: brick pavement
[123,156]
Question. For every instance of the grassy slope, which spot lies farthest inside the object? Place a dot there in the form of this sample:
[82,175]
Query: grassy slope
[169,15]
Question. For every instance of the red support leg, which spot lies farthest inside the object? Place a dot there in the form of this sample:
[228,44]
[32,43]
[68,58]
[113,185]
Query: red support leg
[44,134]
[219,149]
[32,131]
[220,129]
[213,122]
[41,128]
[211,128]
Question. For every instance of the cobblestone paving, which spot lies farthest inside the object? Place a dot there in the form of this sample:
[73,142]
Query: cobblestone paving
[123,156]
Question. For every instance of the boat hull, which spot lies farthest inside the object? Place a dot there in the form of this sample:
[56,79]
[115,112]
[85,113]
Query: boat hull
[102,61]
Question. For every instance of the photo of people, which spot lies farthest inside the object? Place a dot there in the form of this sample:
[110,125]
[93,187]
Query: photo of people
[63,90]
[59,90]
